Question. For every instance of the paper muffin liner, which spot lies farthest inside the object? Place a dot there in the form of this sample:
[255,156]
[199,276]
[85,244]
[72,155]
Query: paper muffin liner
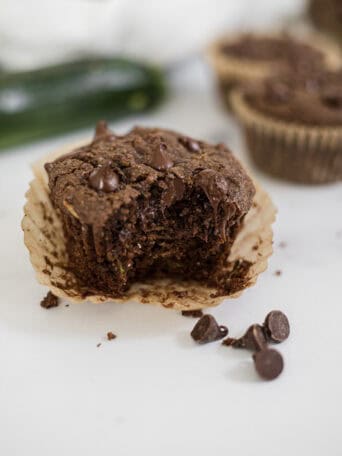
[298,153]
[44,238]
[232,71]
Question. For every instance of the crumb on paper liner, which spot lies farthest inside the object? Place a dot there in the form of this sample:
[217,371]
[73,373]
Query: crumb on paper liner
[44,238]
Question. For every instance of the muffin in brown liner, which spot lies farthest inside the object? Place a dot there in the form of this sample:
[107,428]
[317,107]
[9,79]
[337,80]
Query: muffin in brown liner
[232,71]
[44,238]
[326,15]
[289,150]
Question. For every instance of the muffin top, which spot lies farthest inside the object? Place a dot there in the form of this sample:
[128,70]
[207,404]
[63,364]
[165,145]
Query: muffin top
[95,181]
[281,49]
[310,100]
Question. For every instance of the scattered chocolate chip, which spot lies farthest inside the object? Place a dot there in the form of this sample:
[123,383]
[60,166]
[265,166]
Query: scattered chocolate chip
[104,179]
[67,305]
[268,363]
[277,326]
[190,144]
[278,273]
[192,313]
[254,339]
[110,335]
[207,330]
[160,159]
[49,301]
[98,345]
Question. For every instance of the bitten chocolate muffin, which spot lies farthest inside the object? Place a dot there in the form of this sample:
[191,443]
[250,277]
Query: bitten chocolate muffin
[248,57]
[150,203]
[293,125]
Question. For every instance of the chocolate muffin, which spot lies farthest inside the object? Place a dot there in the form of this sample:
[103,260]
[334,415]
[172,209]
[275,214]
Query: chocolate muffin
[247,57]
[152,203]
[326,15]
[293,125]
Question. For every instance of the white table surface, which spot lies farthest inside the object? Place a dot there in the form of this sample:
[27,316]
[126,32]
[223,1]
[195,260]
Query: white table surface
[152,391]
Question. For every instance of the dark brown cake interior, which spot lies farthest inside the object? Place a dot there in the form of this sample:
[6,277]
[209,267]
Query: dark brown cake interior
[313,100]
[150,203]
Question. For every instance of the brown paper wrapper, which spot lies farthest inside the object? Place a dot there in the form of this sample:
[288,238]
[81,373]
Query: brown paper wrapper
[44,238]
[307,155]
[232,71]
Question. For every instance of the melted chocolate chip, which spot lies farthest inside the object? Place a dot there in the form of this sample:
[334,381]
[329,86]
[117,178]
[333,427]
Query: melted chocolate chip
[190,144]
[207,330]
[277,326]
[268,363]
[214,186]
[49,301]
[160,159]
[254,339]
[174,191]
[104,179]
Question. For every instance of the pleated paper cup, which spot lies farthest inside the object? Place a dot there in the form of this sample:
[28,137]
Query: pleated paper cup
[233,71]
[297,153]
[44,238]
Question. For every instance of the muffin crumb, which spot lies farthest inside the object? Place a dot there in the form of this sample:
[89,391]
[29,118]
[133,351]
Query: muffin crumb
[49,301]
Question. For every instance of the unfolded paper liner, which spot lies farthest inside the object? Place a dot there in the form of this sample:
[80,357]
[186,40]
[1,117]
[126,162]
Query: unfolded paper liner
[232,71]
[44,238]
[298,153]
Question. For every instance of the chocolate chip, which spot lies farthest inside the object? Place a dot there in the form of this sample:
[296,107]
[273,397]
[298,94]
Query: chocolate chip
[192,313]
[190,144]
[278,273]
[254,339]
[207,330]
[104,179]
[332,99]
[110,335]
[174,191]
[102,131]
[268,363]
[49,301]
[160,159]
[277,326]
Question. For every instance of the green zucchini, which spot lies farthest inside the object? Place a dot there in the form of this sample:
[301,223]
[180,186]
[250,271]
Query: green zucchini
[57,99]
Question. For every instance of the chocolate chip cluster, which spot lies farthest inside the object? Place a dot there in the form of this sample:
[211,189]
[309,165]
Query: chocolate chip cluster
[268,362]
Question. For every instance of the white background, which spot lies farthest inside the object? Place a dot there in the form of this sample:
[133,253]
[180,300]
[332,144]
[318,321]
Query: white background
[152,391]
[34,32]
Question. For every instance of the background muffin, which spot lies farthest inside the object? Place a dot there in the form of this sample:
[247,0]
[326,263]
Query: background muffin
[326,15]
[293,125]
[247,57]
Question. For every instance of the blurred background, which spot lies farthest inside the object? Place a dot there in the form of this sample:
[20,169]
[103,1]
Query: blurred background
[40,32]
